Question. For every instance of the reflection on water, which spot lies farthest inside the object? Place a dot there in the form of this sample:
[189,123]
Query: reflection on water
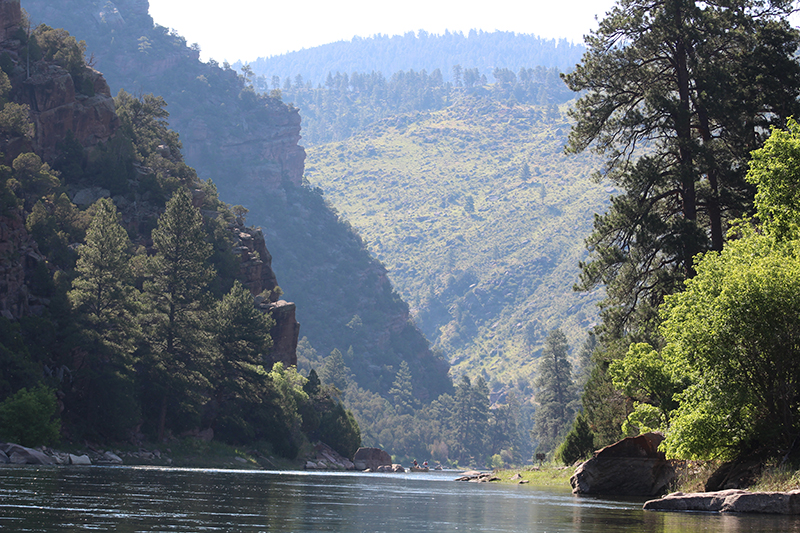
[127,499]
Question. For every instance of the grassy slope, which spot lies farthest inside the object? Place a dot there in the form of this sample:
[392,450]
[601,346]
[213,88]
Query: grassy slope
[485,285]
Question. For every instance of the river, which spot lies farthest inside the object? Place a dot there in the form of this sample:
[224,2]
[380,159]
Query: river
[146,499]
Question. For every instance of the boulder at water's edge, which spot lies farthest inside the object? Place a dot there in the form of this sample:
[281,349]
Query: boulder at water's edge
[630,467]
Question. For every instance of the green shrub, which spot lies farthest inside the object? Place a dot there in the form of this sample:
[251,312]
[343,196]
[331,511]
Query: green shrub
[578,444]
[30,417]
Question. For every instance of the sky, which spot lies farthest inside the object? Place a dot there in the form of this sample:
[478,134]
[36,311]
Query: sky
[248,29]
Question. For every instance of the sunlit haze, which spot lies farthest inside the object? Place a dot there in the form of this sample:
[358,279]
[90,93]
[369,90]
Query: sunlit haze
[248,29]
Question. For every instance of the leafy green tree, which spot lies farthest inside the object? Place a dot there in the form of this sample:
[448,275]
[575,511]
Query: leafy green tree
[175,323]
[30,417]
[555,393]
[734,333]
[645,377]
[774,169]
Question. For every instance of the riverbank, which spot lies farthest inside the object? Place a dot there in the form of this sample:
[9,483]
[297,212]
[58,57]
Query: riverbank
[545,476]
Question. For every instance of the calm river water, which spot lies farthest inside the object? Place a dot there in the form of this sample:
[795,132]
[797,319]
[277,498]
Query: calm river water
[130,499]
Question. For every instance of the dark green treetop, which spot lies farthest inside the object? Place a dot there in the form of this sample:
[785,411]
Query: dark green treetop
[677,94]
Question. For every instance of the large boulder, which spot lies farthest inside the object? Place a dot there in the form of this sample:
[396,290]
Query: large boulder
[20,455]
[630,467]
[729,501]
[371,458]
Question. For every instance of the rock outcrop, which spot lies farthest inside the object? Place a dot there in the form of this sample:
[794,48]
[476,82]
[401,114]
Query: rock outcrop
[285,333]
[630,467]
[19,257]
[255,271]
[58,101]
[371,458]
[57,107]
[326,458]
[20,455]
[10,18]
[730,501]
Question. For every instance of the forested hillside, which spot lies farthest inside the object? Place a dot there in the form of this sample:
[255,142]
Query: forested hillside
[135,303]
[419,51]
[349,103]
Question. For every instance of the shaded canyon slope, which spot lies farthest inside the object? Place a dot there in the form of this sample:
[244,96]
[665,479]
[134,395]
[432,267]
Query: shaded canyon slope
[248,146]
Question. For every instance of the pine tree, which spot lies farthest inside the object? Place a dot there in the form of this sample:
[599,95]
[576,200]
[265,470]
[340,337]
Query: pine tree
[178,336]
[555,395]
[402,390]
[103,292]
[103,393]
[242,336]
[697,85]
[335,372]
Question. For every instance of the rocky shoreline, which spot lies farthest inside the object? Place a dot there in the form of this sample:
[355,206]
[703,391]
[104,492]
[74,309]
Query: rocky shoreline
[16,454]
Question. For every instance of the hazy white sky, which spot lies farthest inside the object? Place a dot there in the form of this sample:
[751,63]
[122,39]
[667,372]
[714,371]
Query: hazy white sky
[247,29]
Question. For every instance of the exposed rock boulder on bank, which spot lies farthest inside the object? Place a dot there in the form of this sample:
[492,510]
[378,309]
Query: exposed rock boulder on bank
[478,477]
[630,467]
[730,501]
[326,458]
[20,455]
[371,458]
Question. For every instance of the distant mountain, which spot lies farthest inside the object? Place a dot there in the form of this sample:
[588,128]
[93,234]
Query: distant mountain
[480,218]
[421,51]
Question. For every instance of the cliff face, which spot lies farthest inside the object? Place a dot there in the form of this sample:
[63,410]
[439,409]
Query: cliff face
[255,271]
[19,257]
[10,17]
[55,108]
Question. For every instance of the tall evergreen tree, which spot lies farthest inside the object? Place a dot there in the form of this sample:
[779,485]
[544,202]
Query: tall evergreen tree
[176,330]
[242,337]
[471,419]
[103,395]
[676,95]
[402,390]
[555,394]
[103,293]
